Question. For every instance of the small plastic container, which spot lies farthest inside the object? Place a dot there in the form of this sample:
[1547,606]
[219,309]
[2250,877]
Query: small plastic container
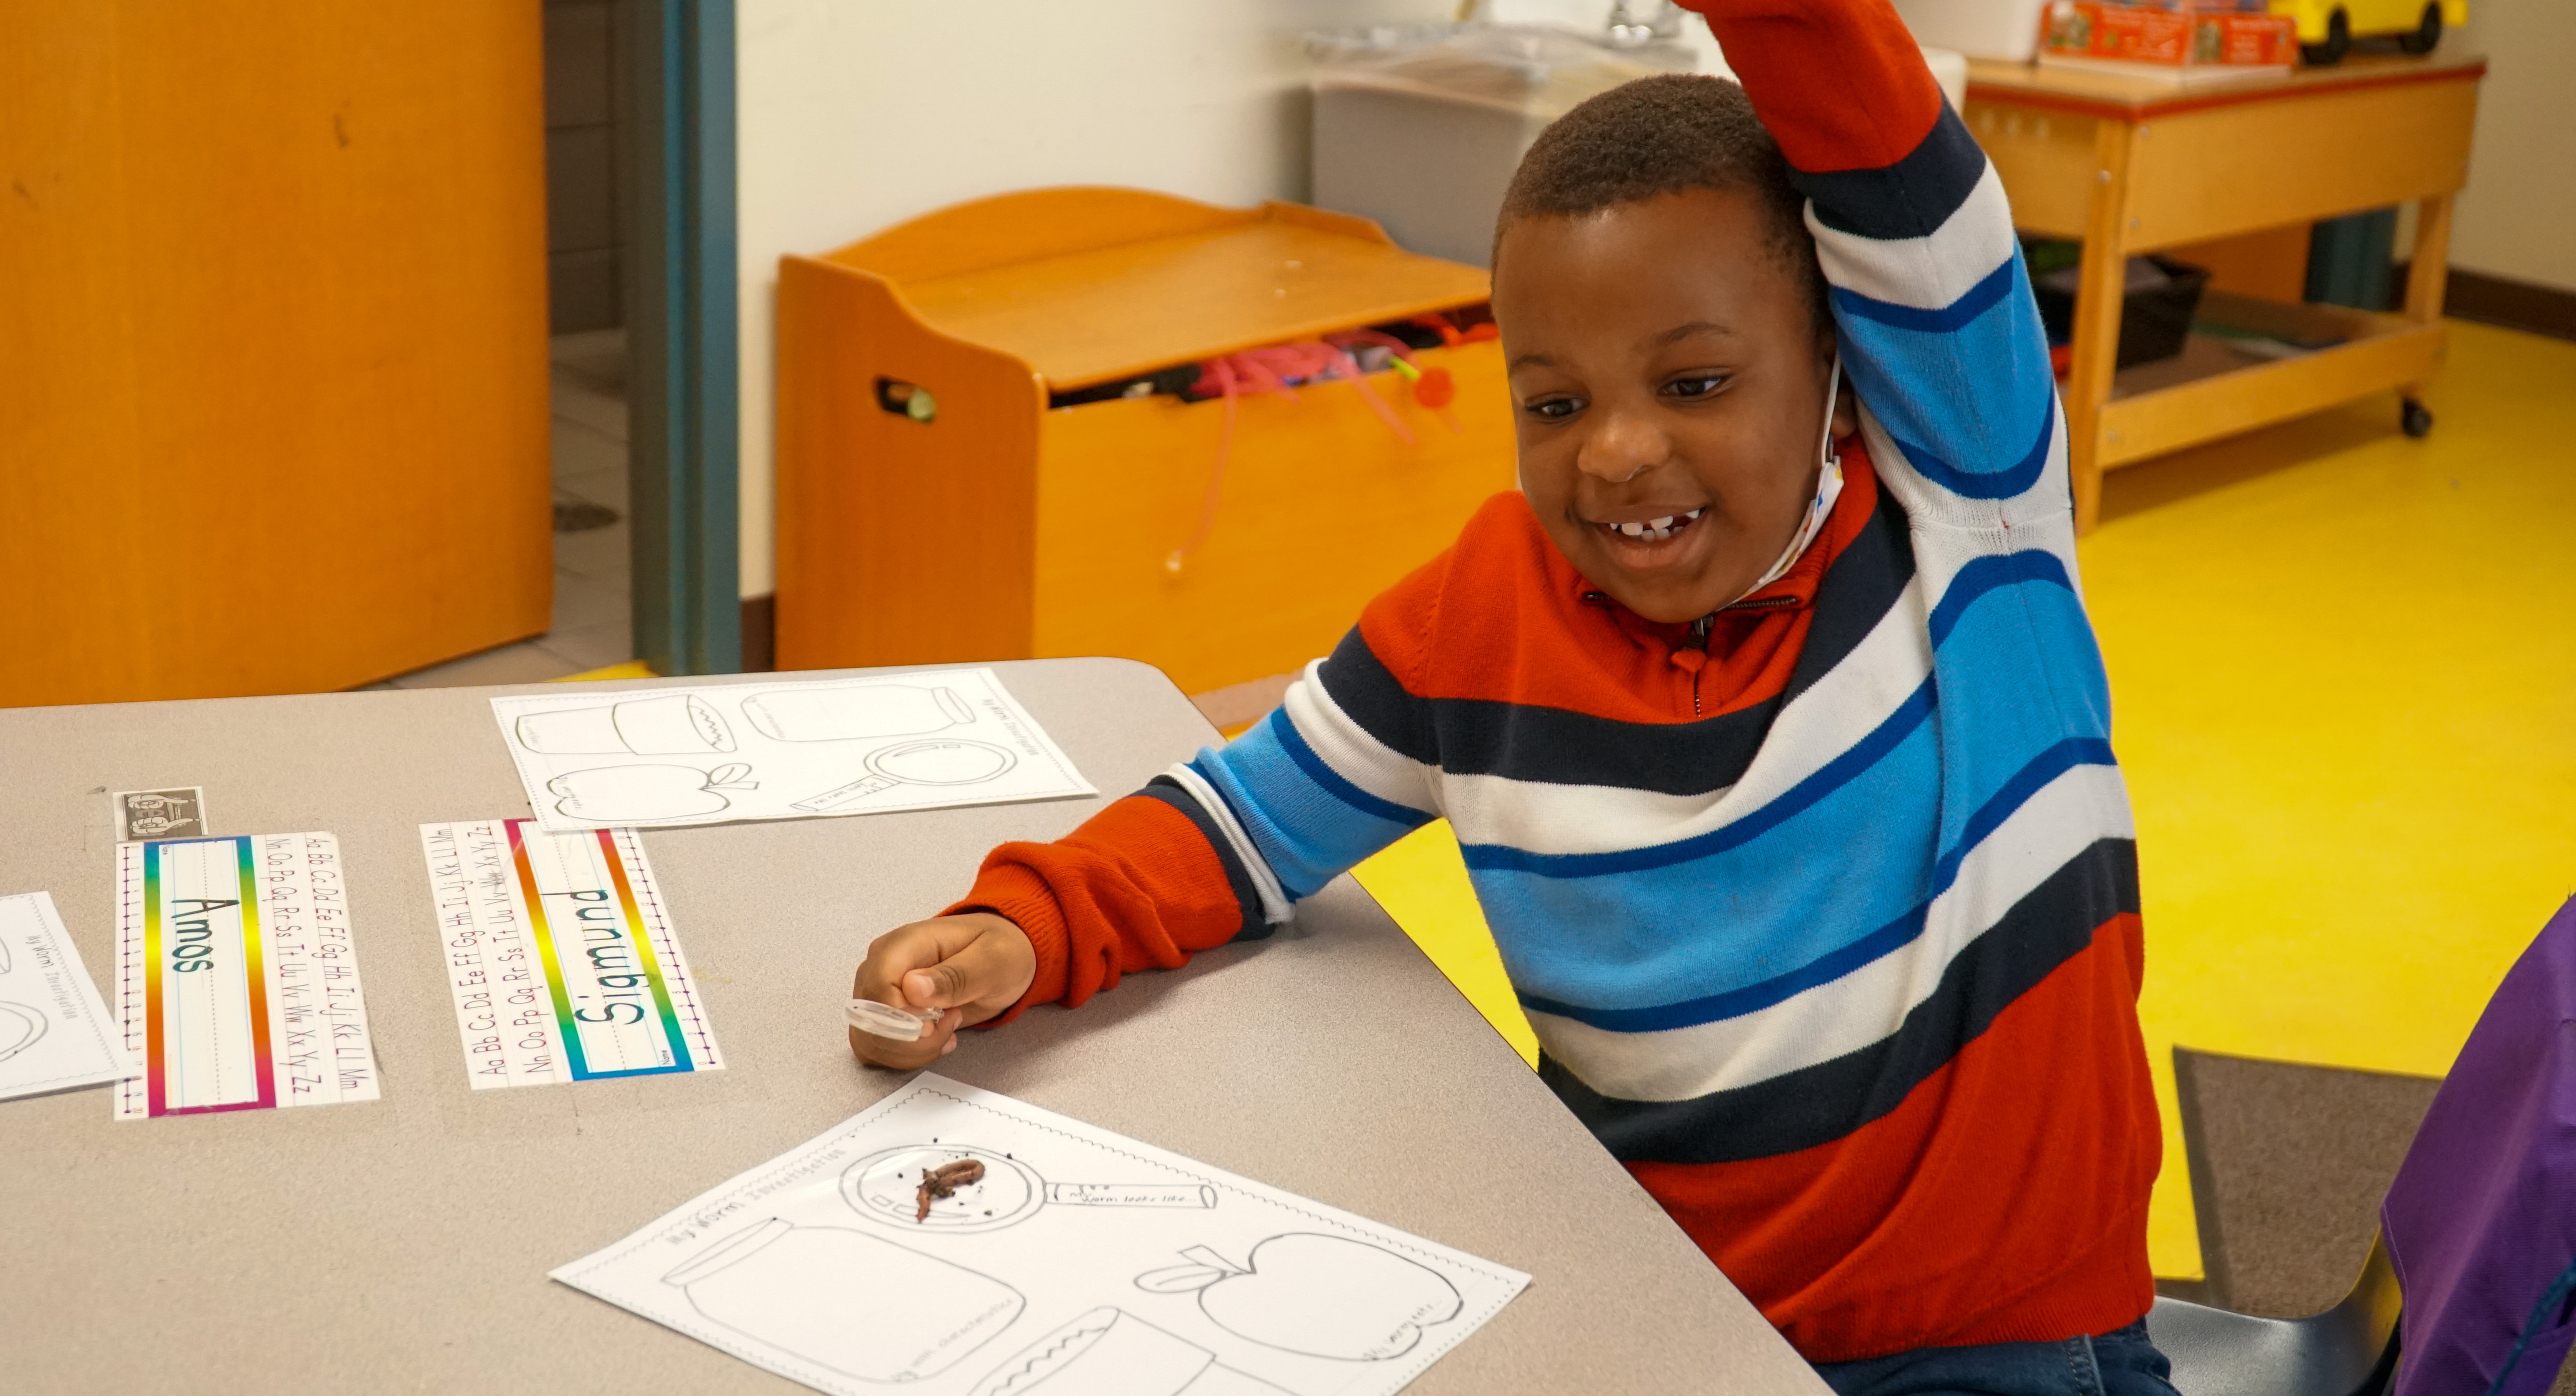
[886,1020]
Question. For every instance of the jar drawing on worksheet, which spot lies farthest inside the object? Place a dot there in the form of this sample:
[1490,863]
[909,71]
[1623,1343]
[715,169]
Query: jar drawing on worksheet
[845,714]
[679,724]
[855,1303]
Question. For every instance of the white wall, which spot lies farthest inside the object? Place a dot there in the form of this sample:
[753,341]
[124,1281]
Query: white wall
[856,114]
[2517,218]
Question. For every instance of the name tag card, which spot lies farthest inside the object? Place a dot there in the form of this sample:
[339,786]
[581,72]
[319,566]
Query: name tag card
[235,976]
[560,957]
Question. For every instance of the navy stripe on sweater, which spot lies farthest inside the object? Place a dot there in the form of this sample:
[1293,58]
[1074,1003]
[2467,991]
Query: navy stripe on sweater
[1816,1105]
[1464,736]
[1247,899]
[1909,199]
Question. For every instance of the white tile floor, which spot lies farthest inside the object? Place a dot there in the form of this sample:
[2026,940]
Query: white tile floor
[592,617]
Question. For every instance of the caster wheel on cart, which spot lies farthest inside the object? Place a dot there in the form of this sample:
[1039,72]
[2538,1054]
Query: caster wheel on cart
[2338,42]
[2414,417]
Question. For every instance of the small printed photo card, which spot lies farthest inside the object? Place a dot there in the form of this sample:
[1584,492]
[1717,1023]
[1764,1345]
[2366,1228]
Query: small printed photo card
[55,1033]
[235,976]
[560,958]
[160,814]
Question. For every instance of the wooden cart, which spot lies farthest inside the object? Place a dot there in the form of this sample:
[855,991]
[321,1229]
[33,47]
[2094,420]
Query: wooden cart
[2134,165]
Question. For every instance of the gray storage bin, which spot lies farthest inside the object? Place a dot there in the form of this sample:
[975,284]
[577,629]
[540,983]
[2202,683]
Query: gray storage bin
[1421,126]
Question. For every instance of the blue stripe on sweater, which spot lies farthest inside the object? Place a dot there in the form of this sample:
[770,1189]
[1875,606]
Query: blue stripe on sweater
[2012,480]
[1294,743]
[1979,578]
[1855,859]
[1989,573]
[1832,776]
[1975,301]
[1308,822]
[1824,969]
[1826,889]
[1966,391]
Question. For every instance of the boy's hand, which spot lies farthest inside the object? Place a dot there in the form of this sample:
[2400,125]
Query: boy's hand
[973,965]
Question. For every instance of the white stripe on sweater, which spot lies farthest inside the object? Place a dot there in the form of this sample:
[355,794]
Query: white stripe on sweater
[2067,816]
[1348,748]
[1844,705]
[1275,907]
[1929,272]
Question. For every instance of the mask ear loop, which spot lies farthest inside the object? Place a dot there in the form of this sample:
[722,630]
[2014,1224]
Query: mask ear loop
[1829,487]
[1829,455]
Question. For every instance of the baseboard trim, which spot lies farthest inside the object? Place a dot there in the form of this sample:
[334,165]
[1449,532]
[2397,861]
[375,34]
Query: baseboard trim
[2498,300]
[759,634]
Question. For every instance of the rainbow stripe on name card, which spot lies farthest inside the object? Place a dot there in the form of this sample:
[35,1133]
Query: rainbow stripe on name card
[609,1021]
[203,1016]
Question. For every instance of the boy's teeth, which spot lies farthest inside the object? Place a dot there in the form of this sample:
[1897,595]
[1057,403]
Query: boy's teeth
[1655,530]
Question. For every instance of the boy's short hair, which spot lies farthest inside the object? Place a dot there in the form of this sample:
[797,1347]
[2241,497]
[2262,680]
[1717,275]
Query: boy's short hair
[1662,135]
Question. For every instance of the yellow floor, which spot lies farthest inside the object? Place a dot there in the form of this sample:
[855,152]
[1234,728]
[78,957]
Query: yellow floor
[2343,674]
[631,669]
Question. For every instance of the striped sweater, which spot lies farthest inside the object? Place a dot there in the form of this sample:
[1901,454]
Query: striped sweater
[1829,931]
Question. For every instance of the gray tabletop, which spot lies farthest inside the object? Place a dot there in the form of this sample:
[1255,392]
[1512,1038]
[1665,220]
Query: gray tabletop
[403,1244]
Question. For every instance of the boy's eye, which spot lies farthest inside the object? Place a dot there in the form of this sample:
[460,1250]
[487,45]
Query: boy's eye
[1695,384]
[1553,409]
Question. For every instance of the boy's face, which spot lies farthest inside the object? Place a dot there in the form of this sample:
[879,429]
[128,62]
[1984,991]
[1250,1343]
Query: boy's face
[1665,368]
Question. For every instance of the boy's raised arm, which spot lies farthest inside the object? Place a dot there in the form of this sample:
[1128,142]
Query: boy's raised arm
[1930,300]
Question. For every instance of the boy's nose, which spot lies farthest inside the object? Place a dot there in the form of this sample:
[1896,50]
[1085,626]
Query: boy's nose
[1621,446]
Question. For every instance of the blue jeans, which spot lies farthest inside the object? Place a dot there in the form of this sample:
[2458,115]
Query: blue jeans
[2118,1363]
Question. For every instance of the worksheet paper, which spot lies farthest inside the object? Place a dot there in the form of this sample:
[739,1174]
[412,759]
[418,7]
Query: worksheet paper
[717,754]
[1080,1263]
[54,1032]
[560,956]
[235,976]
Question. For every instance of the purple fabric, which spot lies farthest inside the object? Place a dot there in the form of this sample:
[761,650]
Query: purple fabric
[2482,1218]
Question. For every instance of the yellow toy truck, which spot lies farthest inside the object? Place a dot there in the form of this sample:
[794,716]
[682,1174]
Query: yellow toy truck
[2328,27]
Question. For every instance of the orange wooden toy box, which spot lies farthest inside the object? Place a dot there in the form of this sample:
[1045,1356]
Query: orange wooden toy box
[1004,528]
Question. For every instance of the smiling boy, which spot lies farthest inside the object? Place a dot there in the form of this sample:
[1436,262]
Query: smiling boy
[1770,723]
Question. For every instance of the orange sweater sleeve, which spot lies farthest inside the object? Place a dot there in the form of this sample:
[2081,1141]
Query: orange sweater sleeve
[1139,885]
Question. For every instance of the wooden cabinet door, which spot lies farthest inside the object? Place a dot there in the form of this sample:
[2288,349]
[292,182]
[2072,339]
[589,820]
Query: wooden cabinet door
[273,406]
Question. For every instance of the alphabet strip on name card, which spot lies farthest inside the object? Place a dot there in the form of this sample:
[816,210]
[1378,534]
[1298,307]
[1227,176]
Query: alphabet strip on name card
[560,957]
[236,977]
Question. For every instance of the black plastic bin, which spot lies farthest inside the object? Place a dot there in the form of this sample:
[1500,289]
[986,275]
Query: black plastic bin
[2153,319]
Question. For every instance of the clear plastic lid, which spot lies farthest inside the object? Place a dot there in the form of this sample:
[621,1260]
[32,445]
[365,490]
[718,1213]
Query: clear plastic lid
[1535,69]
[886,1020]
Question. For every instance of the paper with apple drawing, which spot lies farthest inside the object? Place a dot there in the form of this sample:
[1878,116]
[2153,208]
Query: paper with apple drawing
[962,1243]
[718,753]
